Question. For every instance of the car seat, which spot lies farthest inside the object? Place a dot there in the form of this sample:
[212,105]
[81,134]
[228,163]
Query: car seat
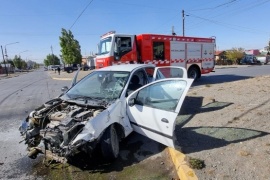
[135,83]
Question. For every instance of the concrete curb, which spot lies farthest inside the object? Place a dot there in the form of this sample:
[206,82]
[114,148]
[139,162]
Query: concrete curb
[230,66]
[64,79]
[183,170]
[4,76]
[67,76]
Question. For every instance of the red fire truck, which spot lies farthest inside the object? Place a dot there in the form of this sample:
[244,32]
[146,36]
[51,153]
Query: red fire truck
[194,53]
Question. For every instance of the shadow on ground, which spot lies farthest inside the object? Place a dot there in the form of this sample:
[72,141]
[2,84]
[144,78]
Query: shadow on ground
[193,105]
[218,79]
[196,139]
[133,150]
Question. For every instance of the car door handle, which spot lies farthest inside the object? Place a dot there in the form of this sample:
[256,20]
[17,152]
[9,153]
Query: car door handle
[164,120]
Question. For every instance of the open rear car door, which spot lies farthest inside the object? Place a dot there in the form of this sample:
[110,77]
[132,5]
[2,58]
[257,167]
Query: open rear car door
[153,109]
[169,72]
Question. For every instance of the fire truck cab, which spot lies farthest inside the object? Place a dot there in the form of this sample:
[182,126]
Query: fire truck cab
[193,53]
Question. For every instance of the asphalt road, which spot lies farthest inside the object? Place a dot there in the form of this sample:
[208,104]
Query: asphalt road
[18,96]
[139,156]
[233,73]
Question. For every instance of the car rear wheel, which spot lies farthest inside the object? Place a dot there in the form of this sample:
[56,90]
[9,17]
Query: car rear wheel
[110,144]
[70,71]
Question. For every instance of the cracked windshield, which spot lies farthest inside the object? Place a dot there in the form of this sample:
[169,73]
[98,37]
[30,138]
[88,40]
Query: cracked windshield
[103,85]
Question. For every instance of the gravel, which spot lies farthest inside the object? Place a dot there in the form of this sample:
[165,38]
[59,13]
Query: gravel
[227,126]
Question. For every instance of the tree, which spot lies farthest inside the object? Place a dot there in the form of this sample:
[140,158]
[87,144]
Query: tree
[24,64]
[70,48]
[18,62]
[235,55]
[268,48]
[36,65]
[51,59]
[9,61]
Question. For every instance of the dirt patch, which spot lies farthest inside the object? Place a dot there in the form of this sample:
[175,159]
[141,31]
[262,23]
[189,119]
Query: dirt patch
[135,162]
[227,126]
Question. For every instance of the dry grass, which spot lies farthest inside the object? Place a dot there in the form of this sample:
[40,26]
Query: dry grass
[244,153]
[195,163]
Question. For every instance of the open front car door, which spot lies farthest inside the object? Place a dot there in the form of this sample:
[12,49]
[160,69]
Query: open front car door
[153,109]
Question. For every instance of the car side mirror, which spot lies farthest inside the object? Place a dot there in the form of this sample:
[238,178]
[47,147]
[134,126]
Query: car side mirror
[131,102]
[64,89]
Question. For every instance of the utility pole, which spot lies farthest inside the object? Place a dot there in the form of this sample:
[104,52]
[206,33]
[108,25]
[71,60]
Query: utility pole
[4,60]
[52,55]
[183,18]
[6,54]
[173,33]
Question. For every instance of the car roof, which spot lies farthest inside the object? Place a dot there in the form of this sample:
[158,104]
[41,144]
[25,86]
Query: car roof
[125,67]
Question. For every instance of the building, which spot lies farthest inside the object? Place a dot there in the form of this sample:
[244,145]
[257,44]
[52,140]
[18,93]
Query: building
[3,68]
[265,51]
[253,52]
[90,61]
[220,57]
[30,64]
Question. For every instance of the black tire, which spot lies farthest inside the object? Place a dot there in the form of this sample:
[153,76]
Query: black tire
[193,73]
[110,144]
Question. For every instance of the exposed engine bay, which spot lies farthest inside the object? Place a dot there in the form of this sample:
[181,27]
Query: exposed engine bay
[54,126]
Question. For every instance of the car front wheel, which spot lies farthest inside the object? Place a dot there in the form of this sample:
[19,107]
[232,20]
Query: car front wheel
[110,144]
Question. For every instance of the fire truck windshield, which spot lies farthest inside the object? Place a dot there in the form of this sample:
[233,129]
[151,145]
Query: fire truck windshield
[105,45]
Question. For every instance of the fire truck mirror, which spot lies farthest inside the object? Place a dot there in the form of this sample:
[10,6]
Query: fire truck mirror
[118,42]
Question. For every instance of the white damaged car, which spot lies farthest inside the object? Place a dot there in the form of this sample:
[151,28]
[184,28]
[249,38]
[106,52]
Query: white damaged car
[105,107]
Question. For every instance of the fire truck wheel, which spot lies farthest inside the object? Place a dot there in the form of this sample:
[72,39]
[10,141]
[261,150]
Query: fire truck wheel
[110,144]
[193,73]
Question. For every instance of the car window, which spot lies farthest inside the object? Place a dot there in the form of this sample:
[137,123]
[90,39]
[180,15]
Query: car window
[163,95]
[100,84]
[150,73]
[169,72]
[138,79]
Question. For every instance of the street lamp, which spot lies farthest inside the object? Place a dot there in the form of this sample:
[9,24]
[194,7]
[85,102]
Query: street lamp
[22,52]
[6,47]
[4,60]
[6,54]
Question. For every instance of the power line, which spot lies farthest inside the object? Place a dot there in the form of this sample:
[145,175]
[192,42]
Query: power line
[217,7]
[224,4]
[80,14]
[231,26]
[237,10]
[201,5]
[220,5]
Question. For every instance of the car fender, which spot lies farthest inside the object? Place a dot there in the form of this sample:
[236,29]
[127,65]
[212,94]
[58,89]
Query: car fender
[96,126]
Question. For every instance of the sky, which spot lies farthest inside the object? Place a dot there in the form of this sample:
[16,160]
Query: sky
[31,28]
